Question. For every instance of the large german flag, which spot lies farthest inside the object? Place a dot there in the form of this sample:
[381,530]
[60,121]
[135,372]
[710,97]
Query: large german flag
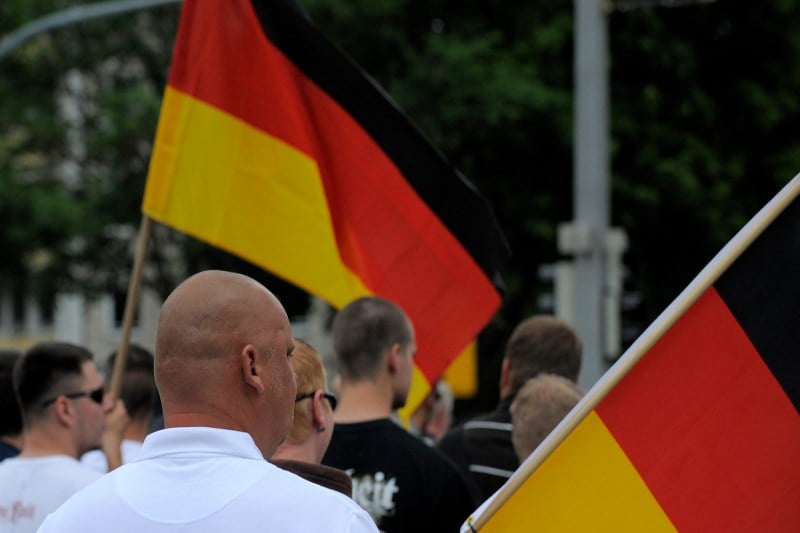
[703,433]
[274,146]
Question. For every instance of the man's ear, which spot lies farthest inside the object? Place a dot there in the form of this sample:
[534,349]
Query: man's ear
[393,358]
[250,369]
[318,411]
[505,380]
[64,411]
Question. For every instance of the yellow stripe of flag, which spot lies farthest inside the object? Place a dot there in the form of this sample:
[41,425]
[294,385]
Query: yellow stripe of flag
[265,181]
[587,484]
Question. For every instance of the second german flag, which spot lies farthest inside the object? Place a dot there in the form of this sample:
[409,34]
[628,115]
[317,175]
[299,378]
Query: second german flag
[274,146]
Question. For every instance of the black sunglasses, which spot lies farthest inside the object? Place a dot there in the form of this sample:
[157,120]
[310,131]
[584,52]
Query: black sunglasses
[331,397]
[95,395]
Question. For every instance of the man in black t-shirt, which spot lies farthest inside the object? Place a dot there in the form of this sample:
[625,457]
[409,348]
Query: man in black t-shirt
[403,483]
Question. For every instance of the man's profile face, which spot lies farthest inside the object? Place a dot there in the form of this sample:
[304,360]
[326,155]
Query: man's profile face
[405,373]
[90,414]
[278,346]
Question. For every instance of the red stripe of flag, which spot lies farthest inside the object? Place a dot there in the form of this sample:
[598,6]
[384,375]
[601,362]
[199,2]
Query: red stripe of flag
[386,234]
[709,428]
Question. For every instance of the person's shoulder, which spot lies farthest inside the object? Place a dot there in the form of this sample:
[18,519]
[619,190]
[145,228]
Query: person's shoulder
[452,437]
[291,481]
[320,508]
[89,498]
[455,440]
[485,424]
[324,501]
[346,435]
[418,448]
[323,475]
[400,437]
[85,476]
[7,451]
[81,473]
[60,470]
[368,426]
[501,413]
[9,462]
[329,503]
[96,460]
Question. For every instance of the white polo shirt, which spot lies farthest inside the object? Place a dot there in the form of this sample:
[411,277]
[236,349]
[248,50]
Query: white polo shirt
[205,480]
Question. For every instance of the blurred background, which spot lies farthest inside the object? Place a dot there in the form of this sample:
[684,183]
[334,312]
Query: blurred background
[704,128]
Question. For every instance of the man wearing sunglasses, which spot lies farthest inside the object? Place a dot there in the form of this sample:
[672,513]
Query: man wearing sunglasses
[64,413]
[312,424]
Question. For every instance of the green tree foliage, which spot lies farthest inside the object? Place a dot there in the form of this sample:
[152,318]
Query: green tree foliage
[79,107]
[706,104]
[704,112]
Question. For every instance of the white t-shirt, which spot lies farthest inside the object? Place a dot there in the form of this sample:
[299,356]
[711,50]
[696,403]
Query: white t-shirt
[96,459]
[205,480]
[31,488]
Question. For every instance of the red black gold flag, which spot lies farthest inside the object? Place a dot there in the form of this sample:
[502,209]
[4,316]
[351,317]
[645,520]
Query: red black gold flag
[697,427]
[274,146]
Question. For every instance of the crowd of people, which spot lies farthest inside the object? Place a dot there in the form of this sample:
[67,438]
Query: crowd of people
[249,436]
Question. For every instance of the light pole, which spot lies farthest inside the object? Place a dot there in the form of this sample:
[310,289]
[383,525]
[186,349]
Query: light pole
[73,15]
[593,281]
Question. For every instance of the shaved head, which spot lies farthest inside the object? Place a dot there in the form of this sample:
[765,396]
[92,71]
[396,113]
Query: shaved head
[215,331]
[204,314]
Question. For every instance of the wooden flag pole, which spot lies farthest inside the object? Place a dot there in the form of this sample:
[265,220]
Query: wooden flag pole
[707,277]
[130,305]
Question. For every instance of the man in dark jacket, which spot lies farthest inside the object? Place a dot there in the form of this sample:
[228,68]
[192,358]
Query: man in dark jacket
[482,446]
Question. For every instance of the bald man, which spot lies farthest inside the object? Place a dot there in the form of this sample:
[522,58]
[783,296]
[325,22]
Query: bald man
[227,391]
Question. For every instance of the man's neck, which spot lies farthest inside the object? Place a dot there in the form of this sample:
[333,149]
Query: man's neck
[41,442]
[137,430]
[304,452]
[362,401]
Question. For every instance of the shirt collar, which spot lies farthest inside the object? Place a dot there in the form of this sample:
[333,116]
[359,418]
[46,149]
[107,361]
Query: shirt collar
[200,441]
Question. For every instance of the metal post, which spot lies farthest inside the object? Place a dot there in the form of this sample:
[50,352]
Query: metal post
[74,15]
[591,190]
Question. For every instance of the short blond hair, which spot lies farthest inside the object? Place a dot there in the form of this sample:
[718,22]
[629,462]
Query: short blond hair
[311,376]
[539,406]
